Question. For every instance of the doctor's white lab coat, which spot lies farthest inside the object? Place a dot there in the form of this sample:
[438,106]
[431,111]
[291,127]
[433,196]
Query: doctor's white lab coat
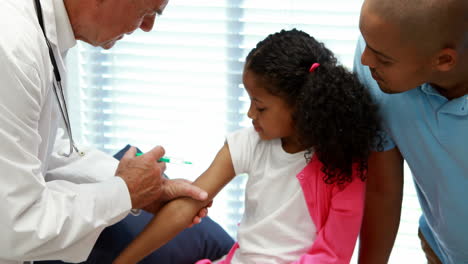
[52,207]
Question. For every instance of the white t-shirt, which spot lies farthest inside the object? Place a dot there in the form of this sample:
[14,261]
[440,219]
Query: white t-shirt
[276,226]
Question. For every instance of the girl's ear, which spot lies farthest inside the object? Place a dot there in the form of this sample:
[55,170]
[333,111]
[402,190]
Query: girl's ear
[445,60]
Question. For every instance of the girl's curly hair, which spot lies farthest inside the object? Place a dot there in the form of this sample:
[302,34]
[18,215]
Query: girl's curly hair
[334,115]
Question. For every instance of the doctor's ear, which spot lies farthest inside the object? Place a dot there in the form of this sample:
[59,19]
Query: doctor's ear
[445,60]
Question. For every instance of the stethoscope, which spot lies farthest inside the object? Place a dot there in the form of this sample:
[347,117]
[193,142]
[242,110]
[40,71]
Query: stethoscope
[57,84]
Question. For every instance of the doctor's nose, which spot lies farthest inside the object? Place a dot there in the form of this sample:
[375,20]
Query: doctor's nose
[148,22]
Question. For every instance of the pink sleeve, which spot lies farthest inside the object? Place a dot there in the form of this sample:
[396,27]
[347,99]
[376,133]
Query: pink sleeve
[336,239]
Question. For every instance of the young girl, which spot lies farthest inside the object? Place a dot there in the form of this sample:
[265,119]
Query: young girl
[313,128]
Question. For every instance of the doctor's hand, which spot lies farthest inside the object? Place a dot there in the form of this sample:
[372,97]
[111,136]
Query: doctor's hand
[146,185]
[176,188]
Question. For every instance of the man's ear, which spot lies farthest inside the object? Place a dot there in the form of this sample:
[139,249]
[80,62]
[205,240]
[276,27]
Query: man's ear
[445,60]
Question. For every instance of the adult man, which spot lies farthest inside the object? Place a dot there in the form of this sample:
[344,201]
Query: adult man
[57,199]
[417,54]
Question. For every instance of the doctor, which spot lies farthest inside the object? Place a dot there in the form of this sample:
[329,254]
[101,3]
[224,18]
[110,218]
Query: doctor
[57,198]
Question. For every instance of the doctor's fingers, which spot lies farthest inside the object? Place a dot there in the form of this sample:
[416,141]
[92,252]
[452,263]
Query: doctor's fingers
[161,165]
[156,153]
[182,188]
[130,153]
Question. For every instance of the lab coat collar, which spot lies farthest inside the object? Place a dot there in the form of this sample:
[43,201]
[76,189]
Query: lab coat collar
[66,37]
[57,24]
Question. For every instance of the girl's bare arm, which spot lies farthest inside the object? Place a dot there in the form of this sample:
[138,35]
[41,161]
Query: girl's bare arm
[178,214]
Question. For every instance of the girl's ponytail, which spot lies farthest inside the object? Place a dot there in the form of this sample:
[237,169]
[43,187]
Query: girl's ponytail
[337,116]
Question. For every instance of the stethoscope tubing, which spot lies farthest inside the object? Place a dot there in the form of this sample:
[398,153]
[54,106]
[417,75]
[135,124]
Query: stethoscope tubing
[57,85]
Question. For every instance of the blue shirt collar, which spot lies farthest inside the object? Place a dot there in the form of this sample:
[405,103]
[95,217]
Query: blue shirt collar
[456,106]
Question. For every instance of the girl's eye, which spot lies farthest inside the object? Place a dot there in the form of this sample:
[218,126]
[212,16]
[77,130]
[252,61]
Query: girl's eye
[260,109]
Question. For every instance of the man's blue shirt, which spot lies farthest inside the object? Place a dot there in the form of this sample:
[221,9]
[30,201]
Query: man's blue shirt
[431,133]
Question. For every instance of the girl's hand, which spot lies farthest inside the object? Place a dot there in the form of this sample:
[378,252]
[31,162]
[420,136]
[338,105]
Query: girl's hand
[202,213]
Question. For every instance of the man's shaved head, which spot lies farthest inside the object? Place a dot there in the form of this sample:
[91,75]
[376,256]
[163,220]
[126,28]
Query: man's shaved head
[433,24]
